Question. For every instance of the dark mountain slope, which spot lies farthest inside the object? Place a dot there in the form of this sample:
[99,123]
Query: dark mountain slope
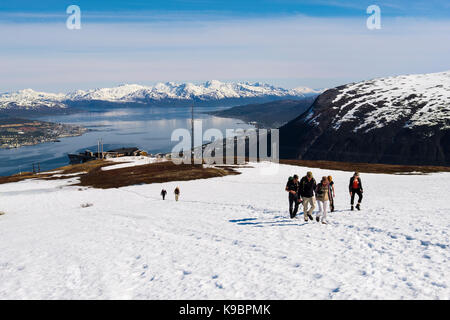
[397,120]
[268,115]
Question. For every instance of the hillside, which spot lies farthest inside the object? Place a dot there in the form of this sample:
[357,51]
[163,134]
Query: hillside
[228,237]
[395,120]
[268,115]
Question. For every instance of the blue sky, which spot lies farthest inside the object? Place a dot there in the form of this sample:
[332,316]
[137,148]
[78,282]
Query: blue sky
[321,8]
[289,42]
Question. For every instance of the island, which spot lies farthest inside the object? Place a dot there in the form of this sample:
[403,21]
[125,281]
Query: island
[18,132]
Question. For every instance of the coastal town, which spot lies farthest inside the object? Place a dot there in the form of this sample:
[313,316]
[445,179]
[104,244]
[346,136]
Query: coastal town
[17,132]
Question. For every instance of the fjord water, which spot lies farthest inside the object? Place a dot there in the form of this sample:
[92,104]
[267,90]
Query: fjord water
[148,128]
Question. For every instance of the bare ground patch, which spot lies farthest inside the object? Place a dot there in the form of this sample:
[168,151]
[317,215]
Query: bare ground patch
[366,167]
[92,175]
[150,173]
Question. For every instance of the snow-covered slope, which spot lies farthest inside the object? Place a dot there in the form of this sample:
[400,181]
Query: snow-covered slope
[133,93]
[403,119]
[30,99]
[227,238]
[423,98]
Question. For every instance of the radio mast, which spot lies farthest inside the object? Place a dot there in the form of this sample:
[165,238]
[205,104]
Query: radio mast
[192,133]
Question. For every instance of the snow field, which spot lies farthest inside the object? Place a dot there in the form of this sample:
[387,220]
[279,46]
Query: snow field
[227,238]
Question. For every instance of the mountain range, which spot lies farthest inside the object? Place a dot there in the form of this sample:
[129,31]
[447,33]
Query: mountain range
[211,92]
[396,120]
[401,120]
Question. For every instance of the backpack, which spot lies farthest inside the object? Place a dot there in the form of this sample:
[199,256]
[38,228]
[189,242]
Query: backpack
[319,188]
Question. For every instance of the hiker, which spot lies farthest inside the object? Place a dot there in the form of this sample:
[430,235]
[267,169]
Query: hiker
[307,188]
[331,183]
[292,187]
[177,193]
[355,187]
[323,195]
[163,193]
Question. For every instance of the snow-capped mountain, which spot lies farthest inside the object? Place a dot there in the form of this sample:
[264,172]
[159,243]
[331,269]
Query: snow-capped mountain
[30,99]
[402,119]
[160,93]
[210,90]
[423,99]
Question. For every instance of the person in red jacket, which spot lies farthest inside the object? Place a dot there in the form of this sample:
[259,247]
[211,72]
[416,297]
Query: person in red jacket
[355,187]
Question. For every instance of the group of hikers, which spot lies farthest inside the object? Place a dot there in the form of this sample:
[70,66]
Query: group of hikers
[176,192]
[307,191]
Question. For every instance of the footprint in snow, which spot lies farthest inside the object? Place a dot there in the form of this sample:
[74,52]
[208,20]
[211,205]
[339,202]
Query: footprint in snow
[218,285]
[440,285]
[184,273]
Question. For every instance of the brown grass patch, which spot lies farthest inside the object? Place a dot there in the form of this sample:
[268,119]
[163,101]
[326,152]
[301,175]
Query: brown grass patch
[366,167]
[86,167]
[94,176]
[151,173]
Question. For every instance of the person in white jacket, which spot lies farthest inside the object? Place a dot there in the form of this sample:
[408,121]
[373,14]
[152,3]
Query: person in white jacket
[323,195]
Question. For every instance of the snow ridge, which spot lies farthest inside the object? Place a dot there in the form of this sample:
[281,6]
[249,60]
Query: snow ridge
[30,99]
[423,99]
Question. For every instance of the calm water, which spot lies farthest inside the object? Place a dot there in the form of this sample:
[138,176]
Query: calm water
[149,129]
